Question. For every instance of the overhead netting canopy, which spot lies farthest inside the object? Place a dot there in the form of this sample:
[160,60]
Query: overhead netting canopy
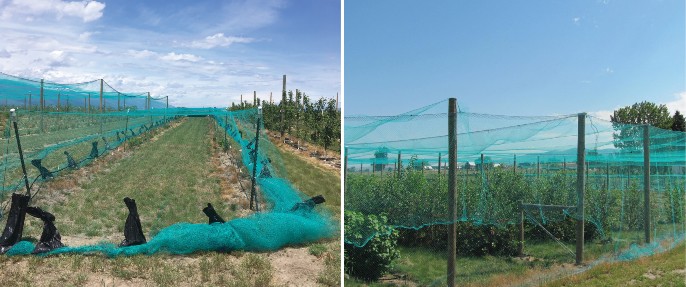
[514,167]
[32,95]
[55,141]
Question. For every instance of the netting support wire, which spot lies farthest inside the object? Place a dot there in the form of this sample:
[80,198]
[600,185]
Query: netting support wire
[646,182]
[253,193]
[13,115]
[580,186]
[452,189]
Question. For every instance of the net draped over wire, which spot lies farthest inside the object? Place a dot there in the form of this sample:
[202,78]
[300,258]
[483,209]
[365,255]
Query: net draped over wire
[397,167]
[71,134]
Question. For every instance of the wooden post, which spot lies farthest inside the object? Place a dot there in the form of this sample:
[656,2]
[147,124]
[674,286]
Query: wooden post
[521,228]
[452,189]
[538,166]
[283,108]
[646,182]
[400,164]
[514,164]
[270,98]
[607,177]
[101,83]
[580,187]
[345,166]
[336,101]
[439,163]
[42,103]
[241,100]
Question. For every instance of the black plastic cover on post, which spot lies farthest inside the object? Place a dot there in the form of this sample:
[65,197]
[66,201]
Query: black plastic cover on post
[15,222]
[94,150]
[50,239]
[133,232]
[70,161]
[212,214]
[44,172]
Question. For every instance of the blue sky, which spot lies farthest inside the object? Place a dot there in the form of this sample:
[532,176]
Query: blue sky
[199,53]
[514,57]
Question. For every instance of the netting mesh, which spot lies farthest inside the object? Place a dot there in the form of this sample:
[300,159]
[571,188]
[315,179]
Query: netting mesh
[54,141]
[511,167]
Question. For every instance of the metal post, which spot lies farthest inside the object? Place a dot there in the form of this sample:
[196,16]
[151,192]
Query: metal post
[118,101]
[580,187]
[646,182]
[452,189]
[13,115]
[101,83]
[283,107]
[29,101]
[253,192]
[254,98]
[89,103]
[58,101]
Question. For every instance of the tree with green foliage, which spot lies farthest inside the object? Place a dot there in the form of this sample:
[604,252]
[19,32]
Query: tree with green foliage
[628,135]
[678,122]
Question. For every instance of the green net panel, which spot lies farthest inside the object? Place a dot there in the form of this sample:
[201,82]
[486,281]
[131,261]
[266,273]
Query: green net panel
[397,168]
[66,134]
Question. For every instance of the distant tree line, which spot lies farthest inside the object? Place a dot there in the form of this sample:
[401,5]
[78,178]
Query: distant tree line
[317,122]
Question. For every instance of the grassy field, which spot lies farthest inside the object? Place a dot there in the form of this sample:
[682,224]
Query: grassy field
[171,177]
[665,269]
[426,267]
[313,180]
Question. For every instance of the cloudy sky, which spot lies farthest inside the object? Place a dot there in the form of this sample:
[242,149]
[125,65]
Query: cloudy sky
[535,57]
[199,53]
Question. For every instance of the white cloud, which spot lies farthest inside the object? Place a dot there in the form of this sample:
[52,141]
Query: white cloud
[181,57]
[603,115]
[30,9]
[679,104]
[576,20]
[5,54]
[219,40]
[141,54]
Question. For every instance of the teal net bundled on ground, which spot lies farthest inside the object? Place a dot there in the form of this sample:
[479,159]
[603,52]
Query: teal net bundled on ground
[511,168]
[60,135]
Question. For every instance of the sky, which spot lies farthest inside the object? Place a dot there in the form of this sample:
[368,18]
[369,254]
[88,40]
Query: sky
[536,57]
[199,53]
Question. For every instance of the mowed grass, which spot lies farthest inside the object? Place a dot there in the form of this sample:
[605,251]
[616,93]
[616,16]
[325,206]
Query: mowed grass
[427,267]
[169,179]
[665,269]
[313,180]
